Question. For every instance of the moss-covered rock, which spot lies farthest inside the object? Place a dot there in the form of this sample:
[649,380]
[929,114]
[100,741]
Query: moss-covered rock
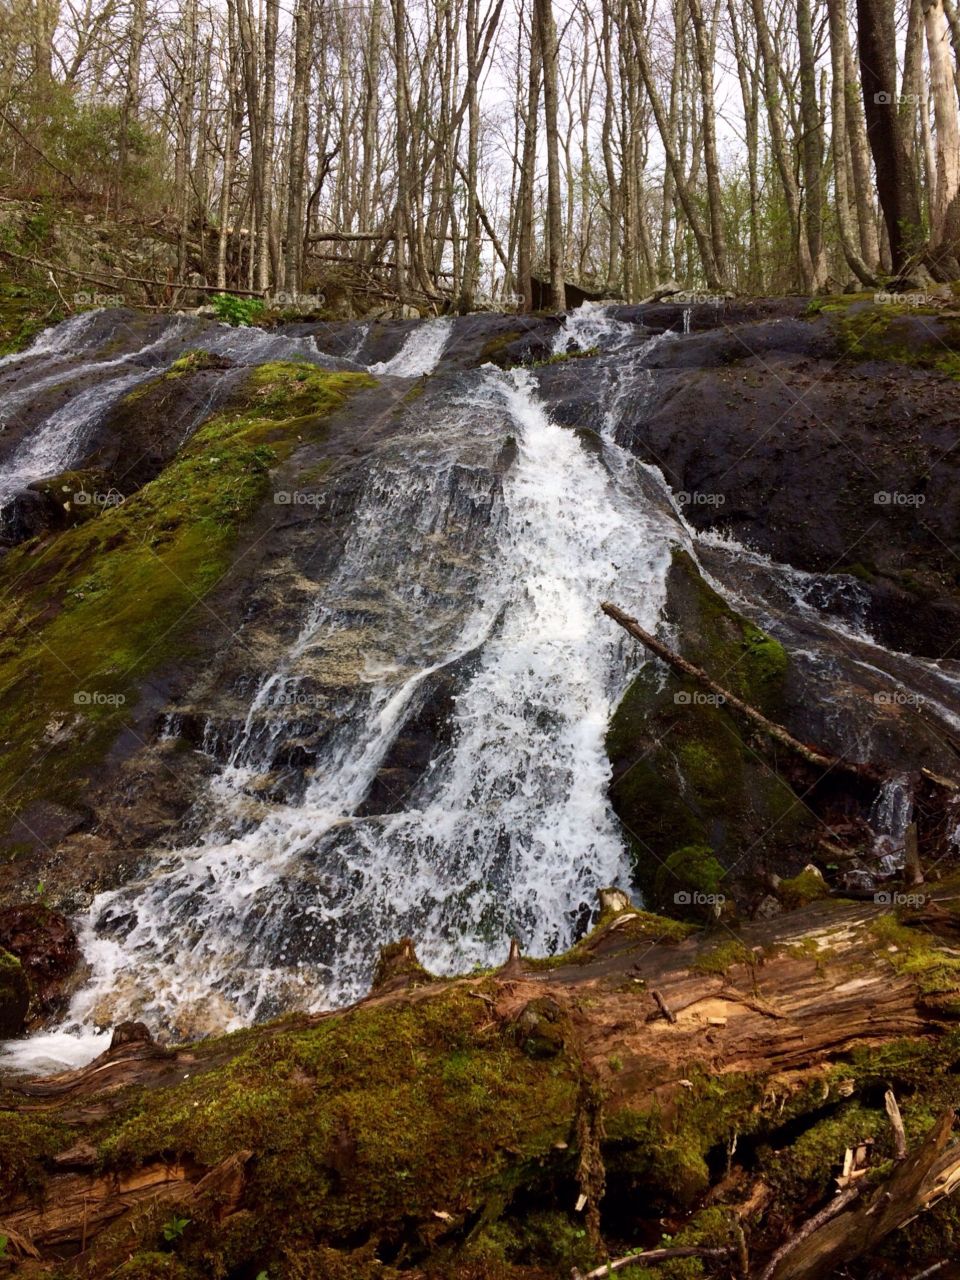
[14,995]
[97,607]
[377,1119]
[686,775]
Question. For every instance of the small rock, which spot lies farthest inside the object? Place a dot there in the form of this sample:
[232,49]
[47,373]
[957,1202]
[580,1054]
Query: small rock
[613,900]
[130,1033]
[767,908]
[45,944]
[14,996]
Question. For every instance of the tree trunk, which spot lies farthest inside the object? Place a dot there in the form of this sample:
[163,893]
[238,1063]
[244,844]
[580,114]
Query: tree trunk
[548,45]
[297,145]
[876,38]
[849,241]
[945,204]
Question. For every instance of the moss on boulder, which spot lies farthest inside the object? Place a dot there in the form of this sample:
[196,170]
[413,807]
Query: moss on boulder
[97,607]
[14,995]
[684,774]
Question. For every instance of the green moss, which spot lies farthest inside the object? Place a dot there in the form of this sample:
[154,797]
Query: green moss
[24,311]
[152,1266]
[26,1141]
[685,773]
[366,1120]
[494,350]
[688,876]
[632,925]
[801,889]
[563,357]
[889,331]
[915,952]
[810,1161]
[97,607]
[723,956]
[669,1148]
[14,995]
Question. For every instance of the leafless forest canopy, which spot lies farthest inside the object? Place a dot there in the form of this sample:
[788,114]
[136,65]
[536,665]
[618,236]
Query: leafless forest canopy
[439,151]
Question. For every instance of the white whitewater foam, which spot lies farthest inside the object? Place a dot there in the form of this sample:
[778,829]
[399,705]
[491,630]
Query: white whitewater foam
[420,353]
[509,831]
[591,325]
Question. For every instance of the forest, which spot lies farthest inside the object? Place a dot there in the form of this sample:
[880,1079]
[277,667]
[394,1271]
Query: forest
[438,154]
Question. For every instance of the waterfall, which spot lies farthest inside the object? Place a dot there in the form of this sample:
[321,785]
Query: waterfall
[459,614]
[420,353]
[495,581]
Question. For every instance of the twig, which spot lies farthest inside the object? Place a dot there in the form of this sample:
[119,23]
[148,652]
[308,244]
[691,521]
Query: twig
[812,1224]
[649,1257]
[896,1124]
[53,281]
[664,1008]
[769,727]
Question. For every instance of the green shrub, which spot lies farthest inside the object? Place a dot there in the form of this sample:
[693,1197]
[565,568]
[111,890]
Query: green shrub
[236,311]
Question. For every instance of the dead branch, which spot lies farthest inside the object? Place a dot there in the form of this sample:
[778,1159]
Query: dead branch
[820,1248]
[769,727]
[896,1124]
[664,1008]
[648,1259]
[111,281]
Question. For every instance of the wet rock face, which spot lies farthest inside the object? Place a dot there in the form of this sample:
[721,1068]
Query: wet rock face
[14,995]
[45,945]
[824,451]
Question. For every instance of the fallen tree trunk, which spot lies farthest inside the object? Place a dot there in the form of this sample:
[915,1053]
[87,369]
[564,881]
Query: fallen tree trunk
[489,1082]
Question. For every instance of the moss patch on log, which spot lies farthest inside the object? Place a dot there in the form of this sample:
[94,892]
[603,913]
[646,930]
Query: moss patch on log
[380,1118]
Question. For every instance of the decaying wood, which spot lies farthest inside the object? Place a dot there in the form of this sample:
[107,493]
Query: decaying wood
[896,1124]
[916,1184]
[773,730]
[847,995]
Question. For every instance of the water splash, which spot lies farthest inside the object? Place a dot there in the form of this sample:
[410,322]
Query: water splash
[420,353]
[590,327]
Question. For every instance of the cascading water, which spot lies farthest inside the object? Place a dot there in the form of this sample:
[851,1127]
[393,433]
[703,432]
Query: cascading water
[54,365]
[420,353]
[453,570]
[483,542]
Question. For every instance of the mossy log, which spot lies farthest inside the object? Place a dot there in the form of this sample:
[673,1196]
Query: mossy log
[476,1127]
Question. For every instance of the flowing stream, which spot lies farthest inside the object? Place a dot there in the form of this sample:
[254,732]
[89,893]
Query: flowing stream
[485,537]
